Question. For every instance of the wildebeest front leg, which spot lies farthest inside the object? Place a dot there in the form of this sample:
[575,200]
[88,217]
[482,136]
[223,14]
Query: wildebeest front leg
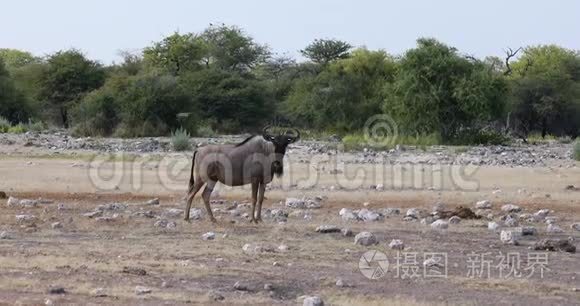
[261,191]
[254,198]
[206,194]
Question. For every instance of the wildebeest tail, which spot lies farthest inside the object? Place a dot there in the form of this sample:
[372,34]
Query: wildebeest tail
[191,180]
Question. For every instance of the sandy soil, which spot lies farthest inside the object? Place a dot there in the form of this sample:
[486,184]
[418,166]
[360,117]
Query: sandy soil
[181,268]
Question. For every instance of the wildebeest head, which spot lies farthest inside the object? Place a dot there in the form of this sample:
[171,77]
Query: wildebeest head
[281,142]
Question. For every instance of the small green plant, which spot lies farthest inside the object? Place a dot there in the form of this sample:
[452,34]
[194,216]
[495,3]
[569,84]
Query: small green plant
[4,125]
[576,152]
[35,126]
[180,140]
[17,129]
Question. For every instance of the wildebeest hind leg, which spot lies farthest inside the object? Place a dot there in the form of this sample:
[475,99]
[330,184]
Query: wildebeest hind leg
[254,198]
[261,191]
[191,194]
[205,195]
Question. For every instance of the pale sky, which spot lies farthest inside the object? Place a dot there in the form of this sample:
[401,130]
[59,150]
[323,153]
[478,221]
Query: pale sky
[102,28]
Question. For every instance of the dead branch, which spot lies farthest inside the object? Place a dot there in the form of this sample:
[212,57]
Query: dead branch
[510,53]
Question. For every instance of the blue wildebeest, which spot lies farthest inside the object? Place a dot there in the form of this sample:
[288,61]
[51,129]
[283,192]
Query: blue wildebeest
[253,161]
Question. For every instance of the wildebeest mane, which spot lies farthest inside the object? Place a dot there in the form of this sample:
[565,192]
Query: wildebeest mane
[246,140]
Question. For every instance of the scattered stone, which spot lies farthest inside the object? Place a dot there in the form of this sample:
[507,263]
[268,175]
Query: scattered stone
[282,248]
[454,220]
[553,245]
[572,188]
[163,223]
[527,231]
[99,292]
[176,212]
[390,211]
[255,248]
[134,271]
[367,215]
[493,226]
[510,221]
[509,237]
[111,207]
[56,225]
[4,235]
[575,226]
[93,214]
[240,286]
[153,202]
[485,204]
[439,225]
[413,213]
[551,220]
[28,203]
[341,283]
[438,207]
[140,290]
[107,218]
[511,208]
[380,187]
[144,213]
[347,215]
[396,244]
[347,232]
[3,195]
[328,229]
[215,296]
[208,236]
[365,239]
[56,290]
[313,301]
[427,220]
[432,262]
[268,287]
[554,229]
[541,214]
[295,203]
[12,201]
[21,219]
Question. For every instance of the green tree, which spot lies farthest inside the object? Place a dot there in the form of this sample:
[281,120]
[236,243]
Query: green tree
[13,105]
[68,77]
[176,53]
[15,58]
[345,94]
[323,51]
[546,91]
[235,102]
[229,48]
[438,91]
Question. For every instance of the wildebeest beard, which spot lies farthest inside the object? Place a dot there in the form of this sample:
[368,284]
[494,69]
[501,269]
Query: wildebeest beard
[277,168]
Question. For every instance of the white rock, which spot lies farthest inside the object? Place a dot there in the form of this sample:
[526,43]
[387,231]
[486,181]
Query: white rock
[282,248]
[140,290]
[575,226]
[347,214]
[240,286]
[541,214]
[56,225]
[328,229]
[255,248]
[346,232]
[153,202]
[509,237]
[510,222]
[439,225]
[493,226]
[454,220]
[485,204]
[175,212]
[511,208]
[25,218]
[28,203]
[367,215]
[390,211]
[413,213]
[432,262]
[365,239]
[313,301]
[12,201]
[4,235]
[427,220]
[380,187]
[396,244]
[554,229]
[208,236]
[439,207]
[99,292]
[295,203]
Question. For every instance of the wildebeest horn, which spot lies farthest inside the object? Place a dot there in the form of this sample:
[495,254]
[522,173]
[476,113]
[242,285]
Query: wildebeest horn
[294,133]
[265,133]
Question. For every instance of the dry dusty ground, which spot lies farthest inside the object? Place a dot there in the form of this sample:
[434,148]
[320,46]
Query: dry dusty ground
[181,268]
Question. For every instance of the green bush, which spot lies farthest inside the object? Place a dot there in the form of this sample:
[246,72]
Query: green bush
[4,125]
[17,129]
[35,126]
[206,130]
[97,114]
[577,150]
[180,140]
[480,137]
